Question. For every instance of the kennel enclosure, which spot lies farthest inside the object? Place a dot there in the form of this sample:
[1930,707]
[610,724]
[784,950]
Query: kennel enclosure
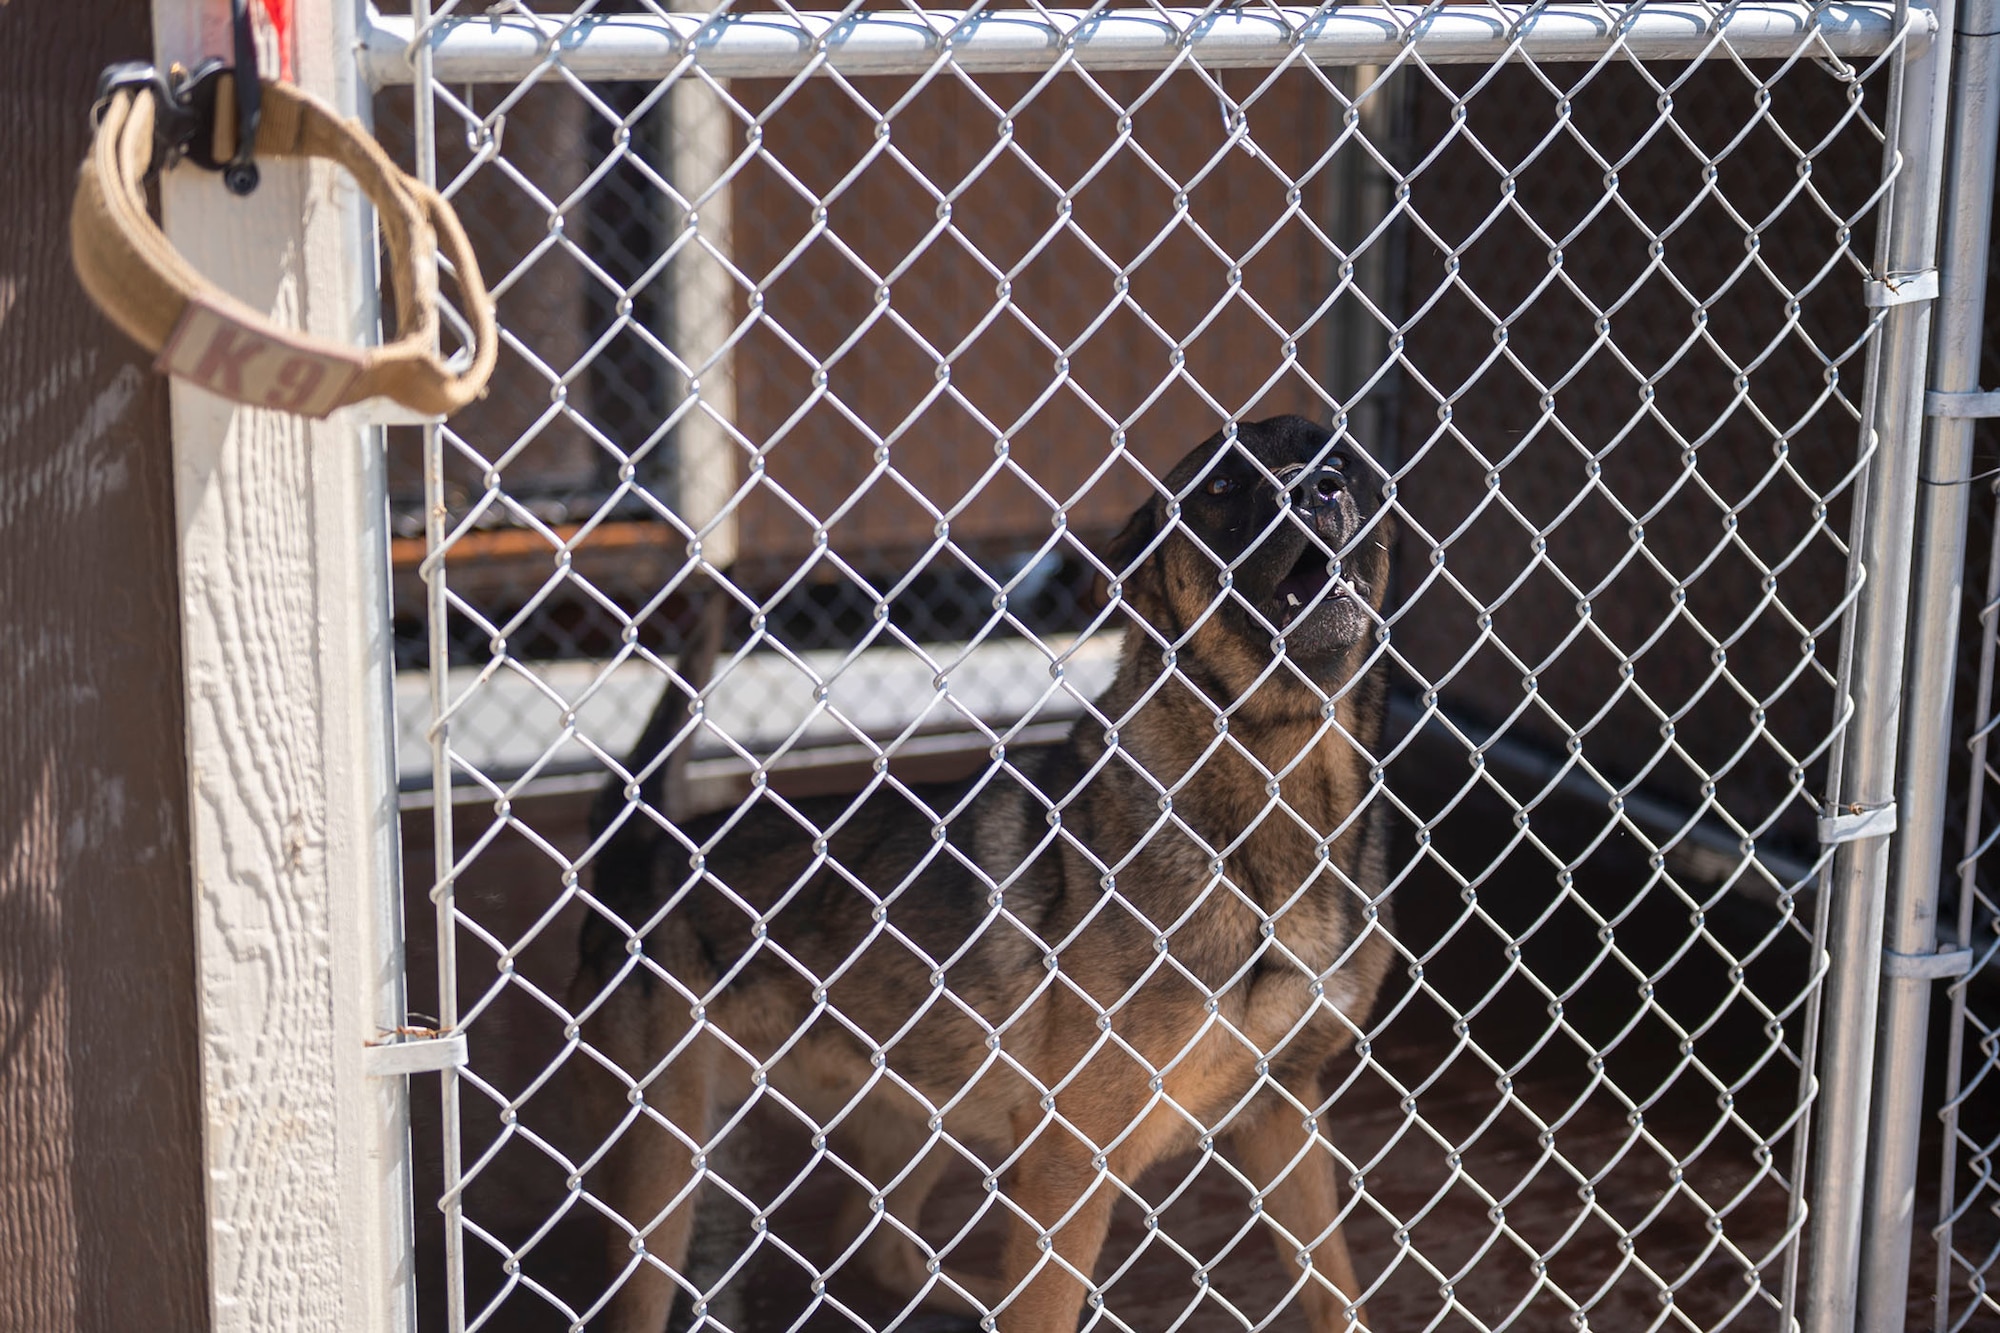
[882,320]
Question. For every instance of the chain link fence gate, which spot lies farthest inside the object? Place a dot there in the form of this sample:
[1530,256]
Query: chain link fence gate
[881,323]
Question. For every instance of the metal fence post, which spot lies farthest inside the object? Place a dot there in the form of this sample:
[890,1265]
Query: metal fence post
[1865,779]
[1910,963]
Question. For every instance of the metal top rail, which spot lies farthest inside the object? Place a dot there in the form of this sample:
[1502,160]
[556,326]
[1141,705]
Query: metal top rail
[506,48]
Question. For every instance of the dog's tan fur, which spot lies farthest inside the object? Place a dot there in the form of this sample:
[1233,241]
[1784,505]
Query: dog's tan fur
[1184,998]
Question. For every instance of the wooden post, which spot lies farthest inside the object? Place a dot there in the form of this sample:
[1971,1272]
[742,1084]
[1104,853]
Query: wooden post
[284,587]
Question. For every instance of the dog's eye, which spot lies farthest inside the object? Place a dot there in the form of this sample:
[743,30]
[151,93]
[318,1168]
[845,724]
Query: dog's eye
[1220,484]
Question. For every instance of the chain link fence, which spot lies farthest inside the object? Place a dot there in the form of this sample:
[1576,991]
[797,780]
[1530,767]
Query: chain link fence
[875,367]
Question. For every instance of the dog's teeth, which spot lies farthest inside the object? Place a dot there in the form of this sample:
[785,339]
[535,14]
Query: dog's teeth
[1291,599]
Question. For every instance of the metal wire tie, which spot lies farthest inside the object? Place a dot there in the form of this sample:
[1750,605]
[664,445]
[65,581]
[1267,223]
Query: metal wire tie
[1969,405]
[1945,965]
[406,1053]
[1901,288]
[1858,824]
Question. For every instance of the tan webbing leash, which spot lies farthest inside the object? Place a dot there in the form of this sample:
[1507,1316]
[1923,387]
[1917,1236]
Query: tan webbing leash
[203,334]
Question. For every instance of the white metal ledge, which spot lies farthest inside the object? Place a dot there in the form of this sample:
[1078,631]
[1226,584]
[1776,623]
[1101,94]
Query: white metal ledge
[507,48]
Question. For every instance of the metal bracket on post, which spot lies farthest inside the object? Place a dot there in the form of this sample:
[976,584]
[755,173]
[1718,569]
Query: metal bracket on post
[1901,289]
[1946,966]
[421,1054]
[1858,824]
[1971,406]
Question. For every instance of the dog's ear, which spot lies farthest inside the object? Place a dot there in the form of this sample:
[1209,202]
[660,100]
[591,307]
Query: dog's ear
[1120,553]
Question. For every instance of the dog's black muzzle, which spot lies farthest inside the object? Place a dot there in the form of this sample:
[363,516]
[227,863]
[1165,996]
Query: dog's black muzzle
[1319,488]
[1322,496]
[1316,583]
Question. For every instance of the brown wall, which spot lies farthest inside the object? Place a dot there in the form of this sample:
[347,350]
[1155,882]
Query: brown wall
[101,1217]
[884,216]
[818,141]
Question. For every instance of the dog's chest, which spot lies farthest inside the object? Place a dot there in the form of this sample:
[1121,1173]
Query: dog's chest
[1303,865]
[1299,859]
[1269,1009]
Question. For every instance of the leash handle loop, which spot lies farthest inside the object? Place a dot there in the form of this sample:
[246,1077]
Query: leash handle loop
[203,334]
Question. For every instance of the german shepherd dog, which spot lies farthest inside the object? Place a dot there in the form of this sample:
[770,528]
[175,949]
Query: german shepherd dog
[1152,935]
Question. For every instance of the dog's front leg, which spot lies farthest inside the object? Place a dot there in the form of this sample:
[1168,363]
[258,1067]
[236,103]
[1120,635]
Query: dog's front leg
[885,1143]
[1296,1175]
[648,1179]
[1067,1205]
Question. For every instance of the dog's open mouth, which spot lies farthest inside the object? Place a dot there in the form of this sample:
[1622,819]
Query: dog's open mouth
[1306,579]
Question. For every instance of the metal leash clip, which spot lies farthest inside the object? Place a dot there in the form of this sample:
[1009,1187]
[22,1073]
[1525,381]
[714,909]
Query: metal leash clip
[186,105]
